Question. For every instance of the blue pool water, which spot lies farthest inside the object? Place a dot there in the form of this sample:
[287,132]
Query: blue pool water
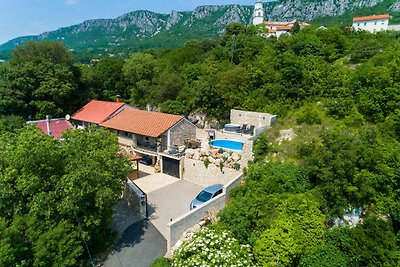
[227,144]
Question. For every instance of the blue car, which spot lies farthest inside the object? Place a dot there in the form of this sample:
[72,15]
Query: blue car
[146,160]
[206,194]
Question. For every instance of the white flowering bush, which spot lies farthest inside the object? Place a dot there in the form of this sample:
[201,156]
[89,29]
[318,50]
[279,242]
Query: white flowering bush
[209,248]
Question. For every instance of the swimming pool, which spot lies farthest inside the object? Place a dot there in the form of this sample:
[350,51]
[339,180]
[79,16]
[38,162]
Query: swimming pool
[227,144]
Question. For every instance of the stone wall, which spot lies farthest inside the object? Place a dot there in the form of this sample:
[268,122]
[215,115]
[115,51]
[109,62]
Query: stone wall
[252,118]
[125,141]
[182,132]
[196,172]
[164,141]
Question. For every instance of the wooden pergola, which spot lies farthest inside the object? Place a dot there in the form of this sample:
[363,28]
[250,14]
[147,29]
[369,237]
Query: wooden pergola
[135,166]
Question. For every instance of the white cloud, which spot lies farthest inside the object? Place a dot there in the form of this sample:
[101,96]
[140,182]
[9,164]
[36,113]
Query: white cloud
[71,2]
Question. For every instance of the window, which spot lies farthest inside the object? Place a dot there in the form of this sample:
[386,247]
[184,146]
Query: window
[365,24]
[128,134]
[259,14]
[375,23]
[358,24]
[218,193]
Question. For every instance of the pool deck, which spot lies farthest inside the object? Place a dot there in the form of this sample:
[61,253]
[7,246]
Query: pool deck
[247,149]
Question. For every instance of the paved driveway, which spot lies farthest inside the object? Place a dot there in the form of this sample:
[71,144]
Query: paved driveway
[153,182]
[170,202]
[139,246]
[167,197]
[141,243]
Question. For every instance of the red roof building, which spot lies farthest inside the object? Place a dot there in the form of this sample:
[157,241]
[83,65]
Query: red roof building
[276,28]
[56,127]
[150,133]
[375,23]
[96,112]
[141,122]
[374,17]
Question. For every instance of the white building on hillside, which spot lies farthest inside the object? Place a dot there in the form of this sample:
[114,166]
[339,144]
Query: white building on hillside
[373,23]
[258,16]
[275,28]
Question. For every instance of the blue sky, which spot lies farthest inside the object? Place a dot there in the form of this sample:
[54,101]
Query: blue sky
[27,17]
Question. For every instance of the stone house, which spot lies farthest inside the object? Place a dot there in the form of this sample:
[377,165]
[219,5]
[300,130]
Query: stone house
[149,132]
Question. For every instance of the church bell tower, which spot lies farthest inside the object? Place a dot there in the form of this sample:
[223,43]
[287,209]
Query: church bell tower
[258,16]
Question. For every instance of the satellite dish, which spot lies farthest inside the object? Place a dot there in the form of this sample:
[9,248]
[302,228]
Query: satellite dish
[67,117]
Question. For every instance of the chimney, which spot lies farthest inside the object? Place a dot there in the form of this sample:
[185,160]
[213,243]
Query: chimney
[48,124]
[118,98]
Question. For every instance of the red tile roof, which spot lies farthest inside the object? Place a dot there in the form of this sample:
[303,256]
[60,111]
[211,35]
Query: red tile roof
[283,28]
[97,111]
[276,23]
[375,17]
[146,123]
[57,126]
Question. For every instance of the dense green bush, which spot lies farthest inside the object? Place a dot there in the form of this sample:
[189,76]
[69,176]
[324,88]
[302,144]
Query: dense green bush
[57,195]
[309,114]
[161,262]
[324,256]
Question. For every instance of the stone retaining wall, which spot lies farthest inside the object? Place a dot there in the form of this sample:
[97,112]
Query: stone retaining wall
[196,172]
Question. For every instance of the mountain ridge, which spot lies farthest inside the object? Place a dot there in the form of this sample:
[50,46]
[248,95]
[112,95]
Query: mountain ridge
[143,29]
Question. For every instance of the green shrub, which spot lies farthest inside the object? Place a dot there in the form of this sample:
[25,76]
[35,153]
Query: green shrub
[261,147]
[206,163]
[161,262]
[324,256]
[309,114]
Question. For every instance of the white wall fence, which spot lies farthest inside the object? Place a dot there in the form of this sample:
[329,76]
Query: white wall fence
[394,27]
[177,227]
[141,198]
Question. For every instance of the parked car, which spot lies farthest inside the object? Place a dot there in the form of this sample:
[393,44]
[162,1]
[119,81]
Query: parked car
[146,160]
[206,194]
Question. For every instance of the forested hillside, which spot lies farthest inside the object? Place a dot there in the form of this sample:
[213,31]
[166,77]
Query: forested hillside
[336,91]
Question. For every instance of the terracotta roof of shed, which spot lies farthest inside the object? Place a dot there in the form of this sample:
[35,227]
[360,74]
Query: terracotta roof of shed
[146,123]
[283,28]
[57,126]
[375,17]
[97,111]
